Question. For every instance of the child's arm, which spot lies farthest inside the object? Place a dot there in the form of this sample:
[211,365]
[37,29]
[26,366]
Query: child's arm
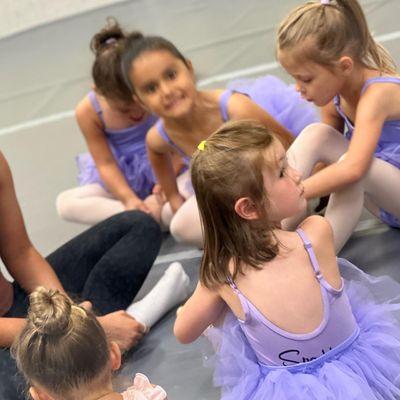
[159,155]
[242,107]
[372,111]
[99,148]
[202,309]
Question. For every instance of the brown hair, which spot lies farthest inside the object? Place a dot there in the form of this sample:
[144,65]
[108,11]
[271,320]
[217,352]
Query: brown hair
[335,29]
[135,46]
[62,346]
[106,70]
[230,167]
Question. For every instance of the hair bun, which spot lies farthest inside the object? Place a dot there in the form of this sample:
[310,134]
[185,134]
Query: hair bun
[49,311]
[110,34]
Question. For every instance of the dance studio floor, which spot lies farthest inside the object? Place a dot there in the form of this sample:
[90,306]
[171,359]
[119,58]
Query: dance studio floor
[45,71]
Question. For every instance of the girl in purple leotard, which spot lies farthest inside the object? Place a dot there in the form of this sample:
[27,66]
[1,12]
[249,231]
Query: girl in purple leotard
[116,174]
[163,80]
[327,47]
[287,325]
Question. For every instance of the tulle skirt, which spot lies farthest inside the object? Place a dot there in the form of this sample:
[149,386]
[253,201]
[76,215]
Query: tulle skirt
[135,167]
[366,367]
[280,100]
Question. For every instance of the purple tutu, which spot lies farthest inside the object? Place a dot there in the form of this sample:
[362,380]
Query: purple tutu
[129,149]
[280,100]
[363,368]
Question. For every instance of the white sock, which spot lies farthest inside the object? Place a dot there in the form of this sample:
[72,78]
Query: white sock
[171,290]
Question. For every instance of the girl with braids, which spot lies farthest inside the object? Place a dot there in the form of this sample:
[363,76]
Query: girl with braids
[64,353]
[115,175]
[328,49]
[288,320]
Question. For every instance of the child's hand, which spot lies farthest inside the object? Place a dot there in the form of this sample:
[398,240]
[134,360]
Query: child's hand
[121,328]
[135,203]
[157,189]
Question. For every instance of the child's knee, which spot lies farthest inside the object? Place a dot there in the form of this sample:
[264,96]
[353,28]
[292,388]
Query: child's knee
[316,132]
[177,229]
[63,204]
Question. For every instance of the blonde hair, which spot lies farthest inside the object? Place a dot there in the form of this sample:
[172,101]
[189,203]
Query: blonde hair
[335,29]
[62,346]
[231,166]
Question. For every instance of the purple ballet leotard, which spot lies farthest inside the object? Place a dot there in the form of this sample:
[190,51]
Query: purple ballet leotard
[388,147]
[129,149]
[353,355]
[337,328]
[281,101]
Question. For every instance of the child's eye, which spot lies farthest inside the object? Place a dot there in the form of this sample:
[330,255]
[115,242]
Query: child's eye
[171,74]
[150,88]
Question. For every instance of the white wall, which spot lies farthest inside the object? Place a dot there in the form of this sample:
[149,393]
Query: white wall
[20,15]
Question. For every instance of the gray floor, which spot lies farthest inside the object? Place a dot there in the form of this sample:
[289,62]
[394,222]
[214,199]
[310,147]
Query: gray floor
[44,72]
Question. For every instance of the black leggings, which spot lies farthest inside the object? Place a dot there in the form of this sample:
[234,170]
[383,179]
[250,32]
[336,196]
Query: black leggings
[106,265]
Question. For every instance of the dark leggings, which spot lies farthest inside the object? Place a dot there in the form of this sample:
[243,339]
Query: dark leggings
[106,264]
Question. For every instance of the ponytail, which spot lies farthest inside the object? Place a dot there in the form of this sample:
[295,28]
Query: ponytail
[324,31]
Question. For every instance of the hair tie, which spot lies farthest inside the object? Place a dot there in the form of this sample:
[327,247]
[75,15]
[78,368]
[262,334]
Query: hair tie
[110,40]
[202,145]
[325,2]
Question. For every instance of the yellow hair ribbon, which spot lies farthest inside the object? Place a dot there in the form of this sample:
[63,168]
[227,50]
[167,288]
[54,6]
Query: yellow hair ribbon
[202,145]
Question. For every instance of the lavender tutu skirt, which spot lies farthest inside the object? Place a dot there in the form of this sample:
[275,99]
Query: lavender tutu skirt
[280,100]
[135,167]
[367,367]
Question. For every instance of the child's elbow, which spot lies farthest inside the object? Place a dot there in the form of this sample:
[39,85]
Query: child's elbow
[182,334]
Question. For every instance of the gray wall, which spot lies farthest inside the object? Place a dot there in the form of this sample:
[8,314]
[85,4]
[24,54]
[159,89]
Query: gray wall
[20,15]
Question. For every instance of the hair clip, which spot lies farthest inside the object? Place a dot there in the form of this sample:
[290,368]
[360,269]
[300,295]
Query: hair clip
[202,145]
[325,1]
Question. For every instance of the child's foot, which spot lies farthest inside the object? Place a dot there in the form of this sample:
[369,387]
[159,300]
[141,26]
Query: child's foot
[171,290]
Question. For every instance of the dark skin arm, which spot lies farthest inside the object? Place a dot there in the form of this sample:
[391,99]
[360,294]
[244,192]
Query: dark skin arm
[31,270]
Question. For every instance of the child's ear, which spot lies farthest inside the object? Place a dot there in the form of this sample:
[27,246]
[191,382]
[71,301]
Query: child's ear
[346,65]
[115,356]
[38,394]
[190,66]
[246,208]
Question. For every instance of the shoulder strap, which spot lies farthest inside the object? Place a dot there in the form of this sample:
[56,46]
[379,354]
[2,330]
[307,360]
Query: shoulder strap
[310,251]
[314,262]
[96,105]
[242,298]
[223,104]
[163,133]
[379,79]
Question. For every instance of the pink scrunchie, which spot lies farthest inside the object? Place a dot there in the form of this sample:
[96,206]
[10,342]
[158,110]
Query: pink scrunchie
[142,389]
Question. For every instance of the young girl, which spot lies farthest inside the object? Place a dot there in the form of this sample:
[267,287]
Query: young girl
[294,329]
[327,47]
[162,80]
[116,175]
[64,353]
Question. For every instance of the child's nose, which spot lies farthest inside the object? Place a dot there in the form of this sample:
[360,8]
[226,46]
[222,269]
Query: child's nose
[165,88]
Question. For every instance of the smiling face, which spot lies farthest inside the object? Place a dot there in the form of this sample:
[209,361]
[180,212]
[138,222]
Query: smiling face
[163,83]
[316,83]
[283,186]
